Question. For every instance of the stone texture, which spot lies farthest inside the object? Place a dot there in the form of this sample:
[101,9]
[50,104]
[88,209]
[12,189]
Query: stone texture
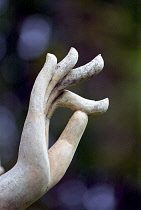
[39,169]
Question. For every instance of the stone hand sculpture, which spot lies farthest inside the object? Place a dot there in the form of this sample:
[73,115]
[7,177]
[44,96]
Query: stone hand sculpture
[39,169]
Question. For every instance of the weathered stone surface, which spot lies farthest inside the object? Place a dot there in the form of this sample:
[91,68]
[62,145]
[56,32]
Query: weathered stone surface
[39,169]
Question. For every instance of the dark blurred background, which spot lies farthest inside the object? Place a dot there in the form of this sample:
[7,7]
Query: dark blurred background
[105,173]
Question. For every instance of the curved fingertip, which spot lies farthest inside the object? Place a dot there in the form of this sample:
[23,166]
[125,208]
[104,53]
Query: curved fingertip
[105,104]
[74,52]
[100,61]
[102,105]
[72,57]
[51,57]
[81,115]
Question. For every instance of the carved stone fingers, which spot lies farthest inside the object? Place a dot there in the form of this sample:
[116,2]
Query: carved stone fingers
[63,98]
[75,102]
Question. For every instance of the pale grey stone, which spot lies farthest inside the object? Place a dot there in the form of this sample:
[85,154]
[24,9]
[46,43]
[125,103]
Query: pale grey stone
[38,169]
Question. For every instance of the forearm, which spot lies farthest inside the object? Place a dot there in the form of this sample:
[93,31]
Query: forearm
[28,180]
[26,183]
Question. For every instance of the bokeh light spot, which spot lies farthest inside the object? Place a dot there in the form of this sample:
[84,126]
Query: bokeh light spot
[34,37]
[100,196]
[71,192]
